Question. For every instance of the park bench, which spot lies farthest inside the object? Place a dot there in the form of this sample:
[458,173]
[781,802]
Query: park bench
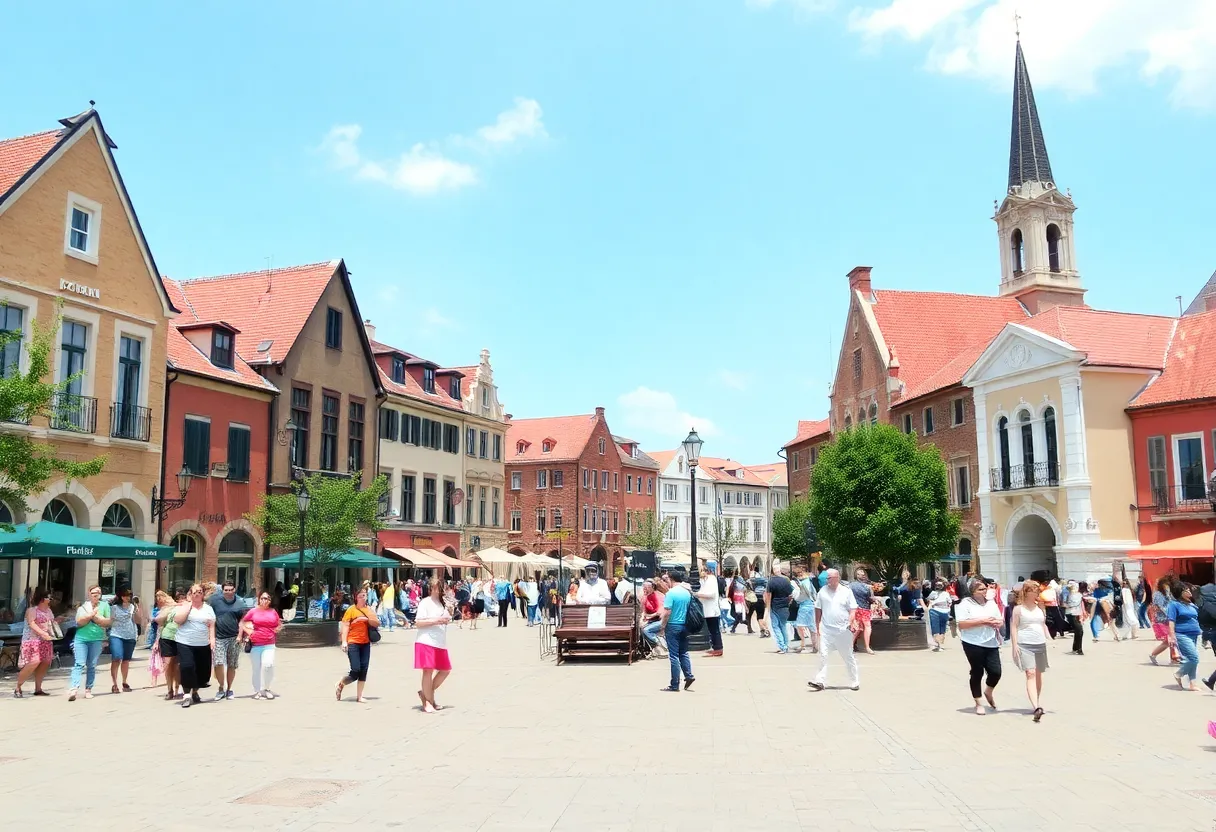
[619,633]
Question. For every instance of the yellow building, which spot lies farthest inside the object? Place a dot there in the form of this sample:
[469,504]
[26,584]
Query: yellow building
[68,232]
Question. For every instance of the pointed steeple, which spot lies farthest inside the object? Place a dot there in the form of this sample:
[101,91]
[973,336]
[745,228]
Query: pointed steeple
[1027,151]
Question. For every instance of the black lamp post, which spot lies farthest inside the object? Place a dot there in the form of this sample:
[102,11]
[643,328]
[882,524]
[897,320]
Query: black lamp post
[303,499]
[161,507]
[692,453]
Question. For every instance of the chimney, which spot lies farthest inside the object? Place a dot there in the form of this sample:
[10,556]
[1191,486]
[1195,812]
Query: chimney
[859,280]
[370,329]
[599,413]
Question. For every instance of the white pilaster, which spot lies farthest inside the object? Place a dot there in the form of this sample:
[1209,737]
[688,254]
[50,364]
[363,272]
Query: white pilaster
[1072,423]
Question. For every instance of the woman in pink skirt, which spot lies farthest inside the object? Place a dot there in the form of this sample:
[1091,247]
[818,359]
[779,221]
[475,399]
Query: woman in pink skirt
[431,646]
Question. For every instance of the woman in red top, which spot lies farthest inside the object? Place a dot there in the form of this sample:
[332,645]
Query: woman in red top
[259,627]
[356,642]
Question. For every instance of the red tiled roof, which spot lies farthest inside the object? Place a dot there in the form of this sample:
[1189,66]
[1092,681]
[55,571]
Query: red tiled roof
[643,459]
[950,374]
[719,469]
[413,390]
[773,473]
[186,357]
[570,433]
[469,374]
[1190,364]
[662,458]
[926,330]
[809,430]
[19,154]
[268,305]
[1108,339]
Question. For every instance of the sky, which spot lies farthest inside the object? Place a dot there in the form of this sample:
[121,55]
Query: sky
[647,206]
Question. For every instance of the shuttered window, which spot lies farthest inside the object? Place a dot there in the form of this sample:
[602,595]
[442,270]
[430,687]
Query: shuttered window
[238,452]
[198,447]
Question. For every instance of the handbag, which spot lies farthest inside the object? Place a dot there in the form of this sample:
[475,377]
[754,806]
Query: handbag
[248,645]
[56,631]
[373,633]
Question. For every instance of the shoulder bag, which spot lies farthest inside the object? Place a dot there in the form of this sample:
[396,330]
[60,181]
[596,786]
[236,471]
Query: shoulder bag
[373,633]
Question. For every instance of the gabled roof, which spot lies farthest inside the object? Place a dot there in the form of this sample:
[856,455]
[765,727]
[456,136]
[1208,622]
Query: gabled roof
[1108,339]
[642,460]
[1199,304]
[773,473]
[19,155]
[572,433]
[1190,364]
[1028,160]
[662,458]
[410,388]
[720,470]
[810,430]
[184,357]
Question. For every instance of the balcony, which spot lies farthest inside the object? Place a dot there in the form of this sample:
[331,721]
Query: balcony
[1015,477]
[129,421]
[74,413]
[1182,499]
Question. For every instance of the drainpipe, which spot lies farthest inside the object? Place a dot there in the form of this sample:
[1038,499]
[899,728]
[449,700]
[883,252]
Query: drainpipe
[170,377]
[271,441]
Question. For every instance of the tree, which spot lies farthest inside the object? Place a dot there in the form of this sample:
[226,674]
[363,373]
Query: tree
[26,465]
[879,498]
[794,534]
[341,516]
[722,538]
[649,533]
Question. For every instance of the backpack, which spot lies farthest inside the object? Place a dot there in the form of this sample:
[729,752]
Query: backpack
[694,618]
[1207,607]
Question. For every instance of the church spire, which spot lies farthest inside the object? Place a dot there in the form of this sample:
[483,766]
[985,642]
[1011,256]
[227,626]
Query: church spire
[1027,151]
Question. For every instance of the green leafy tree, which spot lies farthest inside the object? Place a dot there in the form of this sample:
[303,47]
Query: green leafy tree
[649,533]
[879,498]
[722,537]
[794,534]
[27,465]
[341,516]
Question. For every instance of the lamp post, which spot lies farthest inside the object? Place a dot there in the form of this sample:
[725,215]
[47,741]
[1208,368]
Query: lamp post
[692,452]
[303,499]
[161,507]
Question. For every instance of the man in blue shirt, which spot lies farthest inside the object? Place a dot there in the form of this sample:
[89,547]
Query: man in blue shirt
[675,608]
[502,594]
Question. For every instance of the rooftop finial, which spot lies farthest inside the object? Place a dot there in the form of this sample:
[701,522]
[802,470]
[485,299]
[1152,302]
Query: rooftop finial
[1017,24]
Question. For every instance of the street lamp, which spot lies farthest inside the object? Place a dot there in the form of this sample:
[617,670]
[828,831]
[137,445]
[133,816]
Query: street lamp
[161,507]
[692,452]
[303,499]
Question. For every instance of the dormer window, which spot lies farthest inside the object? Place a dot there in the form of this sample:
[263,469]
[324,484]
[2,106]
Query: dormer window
[428,379]
[398,369]
[454,387]
[546,446]
[520,447]
[221,348]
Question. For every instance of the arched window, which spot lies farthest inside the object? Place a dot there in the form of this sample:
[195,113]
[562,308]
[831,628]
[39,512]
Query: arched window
[848,421]
[964,546]
[6,516]
[1053,453]
[184,544]
[236,561]
[236,543]
[184,565]
[1017,249]
[861,416]
[1002,431]
[1054,255]
[118,521]
[1027,447]
[873,413]
[680,465]
[57,511]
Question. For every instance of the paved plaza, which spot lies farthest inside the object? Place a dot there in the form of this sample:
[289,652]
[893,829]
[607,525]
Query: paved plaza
[525,745]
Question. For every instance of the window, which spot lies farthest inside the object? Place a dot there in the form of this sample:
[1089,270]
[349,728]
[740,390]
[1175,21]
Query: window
[1189,468]
[726,497]
[542,478]
[11,321]
[628,522]
[758,500]
[411,429]
[238,452]
[449,506]
[1017,251]
[1002,432]
[728,526]
[468,510]
[301,417]
[603,519]
[669,492]
[428,500]
[616,525]
[687,494]
[704,527]
[558,478]
[388,424]
[602,445]
[546,447]
[848,421]
[650,485]
[742,530]
[557,518]
[540,520]
[408,486]
[451,439]
[481,505]
[794,460]
[82,226]
[814,456]
[603,481]
[494,505]
[1027,447]
[958,410]
[330,407]
[520,447]
[497,447]
[629,483]
[757,531]
[907,423]
[185,559]
[1053,450]
[126,420]
[79,237]
[962,485]
[928,421]
[72,363]
[873,413]
[517,521]
[856,364]
[595,479]
[454,388]
[470,441]
[1053,247]
[615,481]
[398,373]
[483,444]
[428,379]
[57,511]
[585,524]
[198,446]
[333,329]
[517,480]
[703,495]
[221,348]
[586,478]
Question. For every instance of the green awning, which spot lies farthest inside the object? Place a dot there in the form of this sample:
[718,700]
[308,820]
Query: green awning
[53,540]
[351,558]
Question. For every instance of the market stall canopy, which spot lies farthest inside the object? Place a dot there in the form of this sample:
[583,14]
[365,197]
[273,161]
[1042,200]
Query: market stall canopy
[417,558]
[496,555]
[451,561]
[1192,546]
[351,559]
[580,563]
[53,540]
[534,559]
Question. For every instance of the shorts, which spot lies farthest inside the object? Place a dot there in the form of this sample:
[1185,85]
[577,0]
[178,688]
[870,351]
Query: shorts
[35,652]
[938,621]
[1161,632]
[427,657]
[121,649]
[1032,655]
[227,653]
[863,617]
[168,648]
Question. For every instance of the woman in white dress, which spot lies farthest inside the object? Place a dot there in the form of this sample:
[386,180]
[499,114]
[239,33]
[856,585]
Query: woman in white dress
[1029,636]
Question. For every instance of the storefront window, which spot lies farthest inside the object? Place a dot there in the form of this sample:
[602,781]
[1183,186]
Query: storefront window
[113,575]
[236,561]
[183,567]
[8,593]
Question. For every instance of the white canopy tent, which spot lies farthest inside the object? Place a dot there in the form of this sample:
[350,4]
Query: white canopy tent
[496,555]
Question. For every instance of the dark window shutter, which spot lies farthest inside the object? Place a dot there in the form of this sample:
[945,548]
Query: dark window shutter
[198,447]
[238,453]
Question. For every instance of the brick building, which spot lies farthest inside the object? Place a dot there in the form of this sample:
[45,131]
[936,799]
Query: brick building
[801,453]
[639,470]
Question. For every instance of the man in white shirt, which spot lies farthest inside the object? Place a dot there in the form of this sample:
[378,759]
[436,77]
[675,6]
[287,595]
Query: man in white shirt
[593,591]
[836,621]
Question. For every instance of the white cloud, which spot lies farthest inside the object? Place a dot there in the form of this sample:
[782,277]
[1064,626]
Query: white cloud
[523,121]
[432,318]
[341,143]
[1068,45]
[421,171]
[734,379]
[658,412]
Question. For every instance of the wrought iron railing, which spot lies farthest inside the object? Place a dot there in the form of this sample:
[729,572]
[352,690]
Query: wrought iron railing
[129,421]
[1181,499]
[1013,477]
[74,413]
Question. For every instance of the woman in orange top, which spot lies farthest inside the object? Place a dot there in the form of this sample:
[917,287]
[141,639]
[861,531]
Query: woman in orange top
[355,641]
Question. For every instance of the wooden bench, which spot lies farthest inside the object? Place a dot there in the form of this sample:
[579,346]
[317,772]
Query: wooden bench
[619,633]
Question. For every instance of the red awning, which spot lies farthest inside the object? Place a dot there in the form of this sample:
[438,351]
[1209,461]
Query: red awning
[1192,546]
[420,559]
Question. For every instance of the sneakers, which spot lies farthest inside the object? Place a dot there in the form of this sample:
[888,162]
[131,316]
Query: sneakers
[231,695]
[815,685]
[220,696]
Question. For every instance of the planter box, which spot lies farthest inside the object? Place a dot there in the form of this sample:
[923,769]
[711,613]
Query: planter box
[318,634]
[904,634]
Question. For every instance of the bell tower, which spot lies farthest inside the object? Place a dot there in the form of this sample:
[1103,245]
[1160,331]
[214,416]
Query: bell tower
[1034,223]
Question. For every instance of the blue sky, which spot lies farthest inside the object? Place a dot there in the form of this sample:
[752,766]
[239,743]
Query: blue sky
[649,206]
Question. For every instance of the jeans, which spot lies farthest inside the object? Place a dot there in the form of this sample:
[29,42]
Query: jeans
[1142,616]
[650,632]
[1078,633]
[677,650]
[503,605]
[86,654]
[533,618]
[983,659]
[715,633]
[152,629]
[262,658]
[938,621]
[359,656]
[1189,650]
[779,616]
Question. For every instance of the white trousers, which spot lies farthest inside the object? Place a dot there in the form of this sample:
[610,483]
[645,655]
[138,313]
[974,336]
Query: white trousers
[831,641]
[263,667]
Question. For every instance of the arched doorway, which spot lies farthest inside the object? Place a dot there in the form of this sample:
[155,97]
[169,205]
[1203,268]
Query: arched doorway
[1033,546]
[236,561]
[116,574]
[184,566]
[599,555]
[60,571]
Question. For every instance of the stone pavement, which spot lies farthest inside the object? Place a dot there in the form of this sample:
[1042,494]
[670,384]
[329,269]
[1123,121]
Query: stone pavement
[525,745]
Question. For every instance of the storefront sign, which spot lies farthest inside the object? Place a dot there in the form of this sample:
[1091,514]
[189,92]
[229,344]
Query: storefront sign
[421,542]
[79,288]
[79,551]
[212,518]
[107,569]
